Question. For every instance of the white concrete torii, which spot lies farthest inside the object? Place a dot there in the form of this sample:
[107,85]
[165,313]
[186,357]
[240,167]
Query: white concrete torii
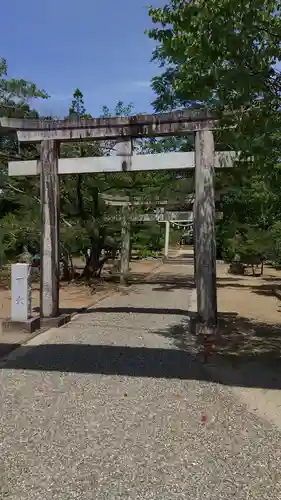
[166,217]
[177,217]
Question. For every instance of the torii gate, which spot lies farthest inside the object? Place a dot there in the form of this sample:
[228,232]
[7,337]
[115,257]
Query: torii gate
[50,133]
[167,217]
[161,215]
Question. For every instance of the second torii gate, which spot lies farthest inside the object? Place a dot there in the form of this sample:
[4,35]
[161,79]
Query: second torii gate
[126,219]
[161,215]
[50,133]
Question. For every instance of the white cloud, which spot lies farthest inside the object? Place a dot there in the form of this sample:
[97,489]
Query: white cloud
[145,84]
[119,85]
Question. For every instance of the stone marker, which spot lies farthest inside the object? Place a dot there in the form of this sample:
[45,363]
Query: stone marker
[21,319]
[21,292]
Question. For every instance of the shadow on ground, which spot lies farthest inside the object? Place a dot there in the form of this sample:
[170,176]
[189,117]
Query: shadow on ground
[268,286]
[247,354]
[109,360]
[136,310]
[6,348]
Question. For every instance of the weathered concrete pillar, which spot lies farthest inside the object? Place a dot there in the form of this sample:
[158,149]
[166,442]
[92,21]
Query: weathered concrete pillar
[125,246]
[205,232]
[124,151]
[167,238]
[50,216]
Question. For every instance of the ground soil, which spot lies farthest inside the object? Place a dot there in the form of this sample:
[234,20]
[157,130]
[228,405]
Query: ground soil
[249,354]
[73,297]
[250,314]
[249,306]
[252,297]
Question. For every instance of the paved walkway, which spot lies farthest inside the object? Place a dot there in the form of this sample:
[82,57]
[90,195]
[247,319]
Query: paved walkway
[108,408]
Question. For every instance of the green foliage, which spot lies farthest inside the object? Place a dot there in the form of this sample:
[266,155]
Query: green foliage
[2,249]
[251,244]
[216,54]
[83,221]
[147,238]
[276,245]
[16,91]
[120,109]
[144,253]
[223,55]
[18,197]
[77,106]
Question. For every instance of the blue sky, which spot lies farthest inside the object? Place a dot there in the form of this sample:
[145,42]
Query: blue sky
[96,45]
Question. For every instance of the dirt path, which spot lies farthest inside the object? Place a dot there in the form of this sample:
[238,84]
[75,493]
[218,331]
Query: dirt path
[108,408]
[249,296]
[73,297]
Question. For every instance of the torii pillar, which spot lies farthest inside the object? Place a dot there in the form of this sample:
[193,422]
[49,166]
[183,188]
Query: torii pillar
[205,237]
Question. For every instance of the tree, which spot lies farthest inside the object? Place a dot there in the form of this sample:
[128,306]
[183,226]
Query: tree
[80,195]
[83,221]
[80,201]
[16,93]
[77,107]
[223,55]
[18,197]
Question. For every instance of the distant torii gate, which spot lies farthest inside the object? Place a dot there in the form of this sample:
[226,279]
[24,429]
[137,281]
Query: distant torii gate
[160,215]
[178,217]
[128,215]
[50,133]
[126,221]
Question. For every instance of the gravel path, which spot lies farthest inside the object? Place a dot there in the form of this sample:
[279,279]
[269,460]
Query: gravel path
[108,408]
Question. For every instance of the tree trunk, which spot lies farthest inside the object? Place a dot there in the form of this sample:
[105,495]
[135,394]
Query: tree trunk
[67,270]
[92,261]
